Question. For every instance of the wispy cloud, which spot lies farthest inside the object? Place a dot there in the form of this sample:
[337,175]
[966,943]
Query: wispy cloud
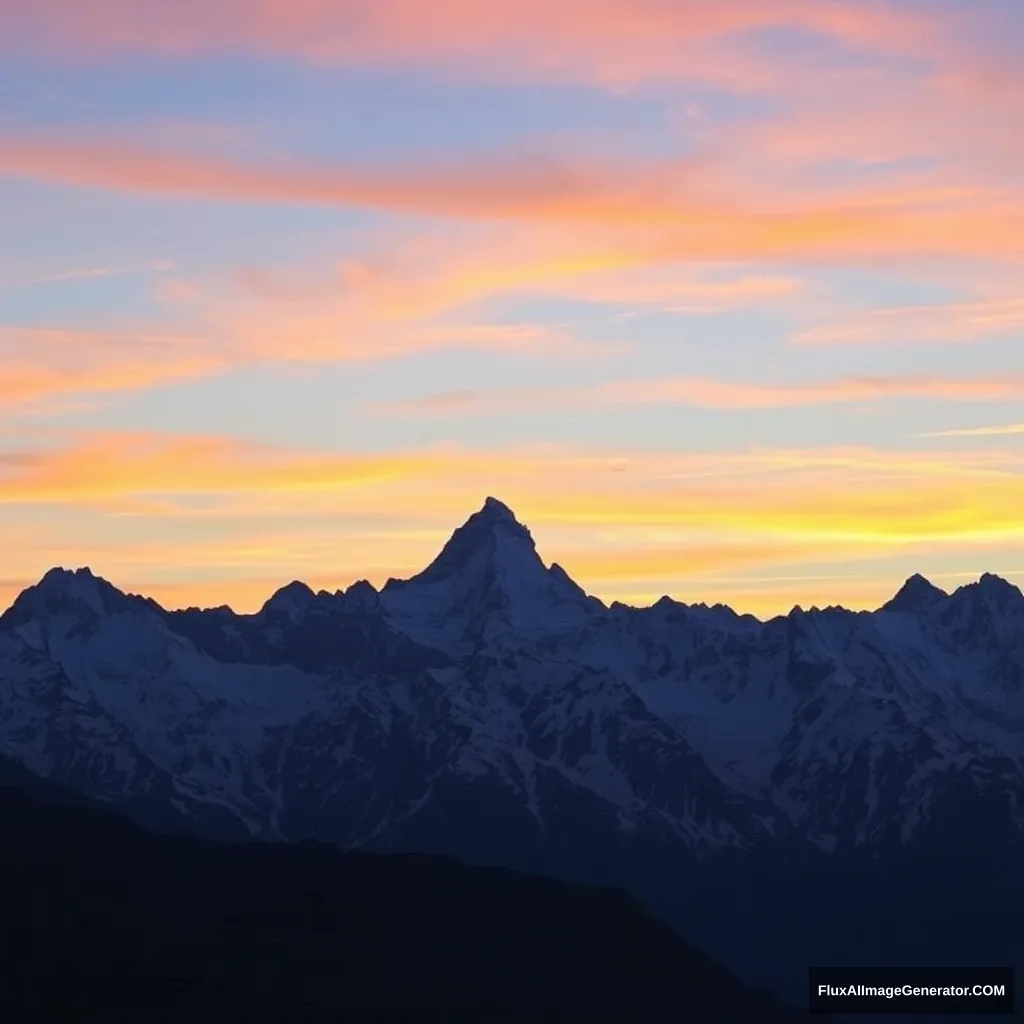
[526,185]
[107,465]
[332,331]
[1008,430]
[662,213]
[611,41]
[40,365]
[199,333]
[954,323]
[82,274]
[717,394]
[710,393]
[427,275]
[68,100]
[953,118]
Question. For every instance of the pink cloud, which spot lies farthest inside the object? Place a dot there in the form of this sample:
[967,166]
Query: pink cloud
[528,185]
[716,394]
[708,393]
[655,213]
[915,132]
[608,40]
[52,370]
[959,322]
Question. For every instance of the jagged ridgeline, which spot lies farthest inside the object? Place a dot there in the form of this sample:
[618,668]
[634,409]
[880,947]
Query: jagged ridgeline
[782,791]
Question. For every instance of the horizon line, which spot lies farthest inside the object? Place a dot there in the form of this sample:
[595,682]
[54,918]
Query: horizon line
[85,570]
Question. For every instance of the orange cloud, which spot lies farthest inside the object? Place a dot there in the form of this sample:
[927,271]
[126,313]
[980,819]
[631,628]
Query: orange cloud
[324,332]
[108,465]
[392,303]
[426,276]
[43,364]
[557,485]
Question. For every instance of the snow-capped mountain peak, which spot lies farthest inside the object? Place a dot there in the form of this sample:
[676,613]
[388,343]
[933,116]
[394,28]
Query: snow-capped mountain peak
[492,534]
[915,596]
[487,581]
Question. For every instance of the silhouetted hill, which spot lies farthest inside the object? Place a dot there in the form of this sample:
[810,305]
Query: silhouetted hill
[100,916]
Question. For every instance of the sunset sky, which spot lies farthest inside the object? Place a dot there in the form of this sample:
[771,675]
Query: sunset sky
[726,300]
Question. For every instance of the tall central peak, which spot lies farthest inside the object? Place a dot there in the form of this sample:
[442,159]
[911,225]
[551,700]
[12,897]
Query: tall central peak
[487,584]
[496,509]
[494,527]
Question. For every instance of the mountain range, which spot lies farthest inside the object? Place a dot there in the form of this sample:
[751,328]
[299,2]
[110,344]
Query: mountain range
[789,791]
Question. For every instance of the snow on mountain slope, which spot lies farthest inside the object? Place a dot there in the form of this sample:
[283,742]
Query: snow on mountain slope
[99,685]
[851,725]
[487,585]
[489,703]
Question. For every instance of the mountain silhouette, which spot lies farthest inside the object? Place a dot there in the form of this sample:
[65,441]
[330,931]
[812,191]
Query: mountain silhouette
[100,916]
[784,792]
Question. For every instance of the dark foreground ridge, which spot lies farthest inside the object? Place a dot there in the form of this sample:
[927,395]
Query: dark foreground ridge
[100,915]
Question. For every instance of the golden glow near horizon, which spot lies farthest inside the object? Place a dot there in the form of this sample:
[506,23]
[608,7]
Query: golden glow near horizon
[206,520]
